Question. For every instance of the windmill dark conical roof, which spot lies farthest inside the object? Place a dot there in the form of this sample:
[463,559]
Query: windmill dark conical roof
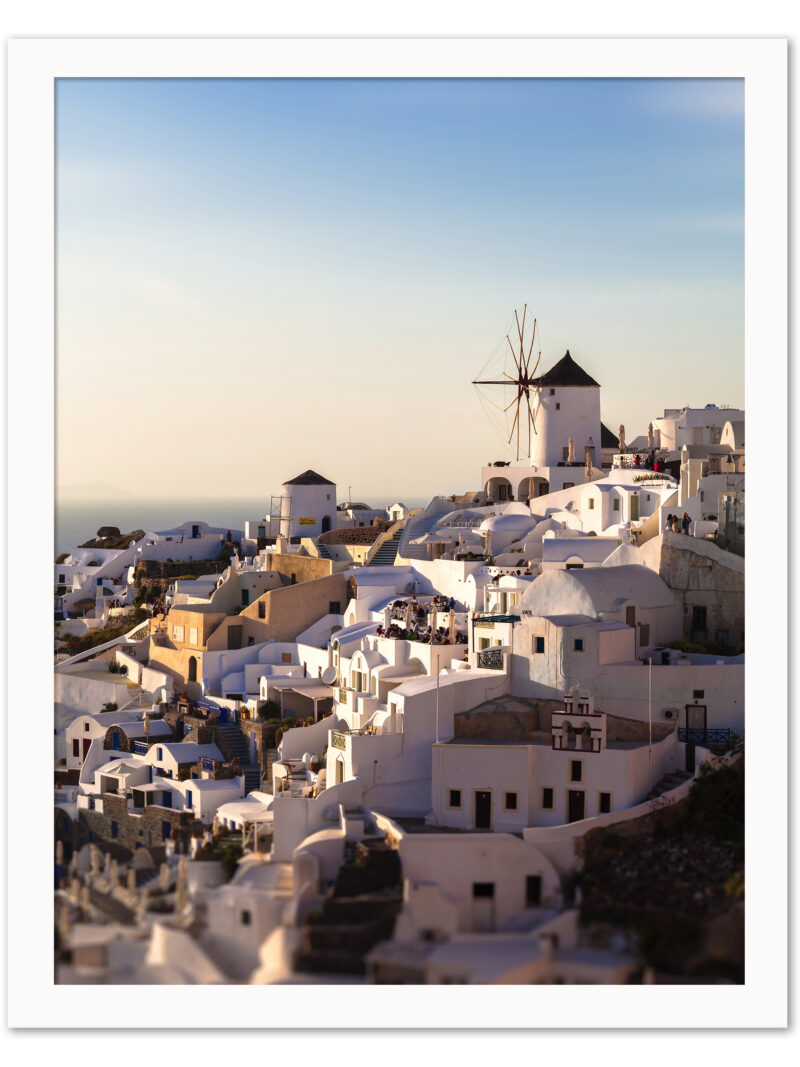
[608,439]
[309,478]
[566,372]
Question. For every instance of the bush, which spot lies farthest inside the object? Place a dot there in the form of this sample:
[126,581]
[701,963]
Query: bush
[269,710]
[231,855]
[110,706]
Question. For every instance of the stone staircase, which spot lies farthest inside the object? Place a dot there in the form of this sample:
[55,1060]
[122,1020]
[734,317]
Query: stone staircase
[387,553]
[359,912]
[669,781]
[324,551]
[237,745]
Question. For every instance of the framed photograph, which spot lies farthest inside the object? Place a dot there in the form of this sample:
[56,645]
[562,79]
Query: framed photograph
[391,650]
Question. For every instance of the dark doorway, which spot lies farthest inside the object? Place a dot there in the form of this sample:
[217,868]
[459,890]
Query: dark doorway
[195,531]
[192,669]
[326,523]
[576,806]
[234,637]
[483,809]
[87,742]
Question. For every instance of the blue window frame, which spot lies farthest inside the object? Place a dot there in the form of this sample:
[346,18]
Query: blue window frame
[114,829]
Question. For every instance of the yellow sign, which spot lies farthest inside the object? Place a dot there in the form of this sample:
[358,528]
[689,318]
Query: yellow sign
[307,522]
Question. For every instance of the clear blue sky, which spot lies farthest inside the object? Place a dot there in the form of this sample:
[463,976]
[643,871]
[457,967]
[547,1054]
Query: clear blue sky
[255,277]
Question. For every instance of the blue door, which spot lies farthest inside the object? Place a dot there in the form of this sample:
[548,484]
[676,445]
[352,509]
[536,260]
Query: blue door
[115,742]
[223,714]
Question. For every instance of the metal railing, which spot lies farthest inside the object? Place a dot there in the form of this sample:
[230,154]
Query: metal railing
[701,736]
[491,659]
[139,748]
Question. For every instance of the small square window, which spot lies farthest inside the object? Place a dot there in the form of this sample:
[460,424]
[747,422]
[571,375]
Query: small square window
[558,407]
[483,889]
[454,798]
[245,917]
[547,798]
[510,802]
[552,392]
[575,770]
[698,694]
[604,803]
[591,503]
[579,644]
[85,727]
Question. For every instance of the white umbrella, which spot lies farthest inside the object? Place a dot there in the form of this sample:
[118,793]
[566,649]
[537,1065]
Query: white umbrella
[570,449]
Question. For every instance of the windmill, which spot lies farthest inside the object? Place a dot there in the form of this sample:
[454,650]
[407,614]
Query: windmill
[522,382]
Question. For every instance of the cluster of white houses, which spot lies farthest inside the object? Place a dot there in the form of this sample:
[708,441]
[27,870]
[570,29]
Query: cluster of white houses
[460,693]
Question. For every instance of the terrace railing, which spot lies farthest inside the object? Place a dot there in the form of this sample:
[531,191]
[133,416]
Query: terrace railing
[701,736]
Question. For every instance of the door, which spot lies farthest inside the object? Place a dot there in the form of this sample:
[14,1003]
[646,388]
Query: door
[482,907]
[483,809]
[114,742]
[195,532]
[87,742]
[234,637]
[634,506]
[192,669]
[576,805]
[326,523]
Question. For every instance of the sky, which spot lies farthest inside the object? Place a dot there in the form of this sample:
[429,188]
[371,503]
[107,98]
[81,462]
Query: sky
[255,277]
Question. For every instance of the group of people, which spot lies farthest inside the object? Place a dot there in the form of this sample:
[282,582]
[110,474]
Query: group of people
[651,463]
[675,524]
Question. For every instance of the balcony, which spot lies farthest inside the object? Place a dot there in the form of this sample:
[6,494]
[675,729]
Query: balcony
[491,659]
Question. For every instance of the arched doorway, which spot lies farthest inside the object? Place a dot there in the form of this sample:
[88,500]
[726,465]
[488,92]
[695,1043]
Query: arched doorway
[192,669]
[532,487]
[498,489]
[326,523]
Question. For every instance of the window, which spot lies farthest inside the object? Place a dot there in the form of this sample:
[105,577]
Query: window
[335,607]
[159,754]
[547,798]
[698,694]
[245,918]
[454,798]
[286,657]
[578,644]
[722,638]
[177,633]
[552,392]
[510,801]
[483,642]
[591,503]
[616,503]
[644,633]
[699,618]
[76,747]
[114,829]
[483,890]
[86,727]
[245,597]
[193,636]
[604,803]
[533,890]
[61,579]
[262,610]
[569,485]
[166,830]
[576,770]
[188,798]
[538,644]
[558,407]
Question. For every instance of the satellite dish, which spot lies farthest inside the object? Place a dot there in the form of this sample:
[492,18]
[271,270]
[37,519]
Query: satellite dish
[329,675]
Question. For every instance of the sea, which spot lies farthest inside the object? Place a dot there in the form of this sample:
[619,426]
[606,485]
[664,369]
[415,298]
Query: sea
[77,521]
